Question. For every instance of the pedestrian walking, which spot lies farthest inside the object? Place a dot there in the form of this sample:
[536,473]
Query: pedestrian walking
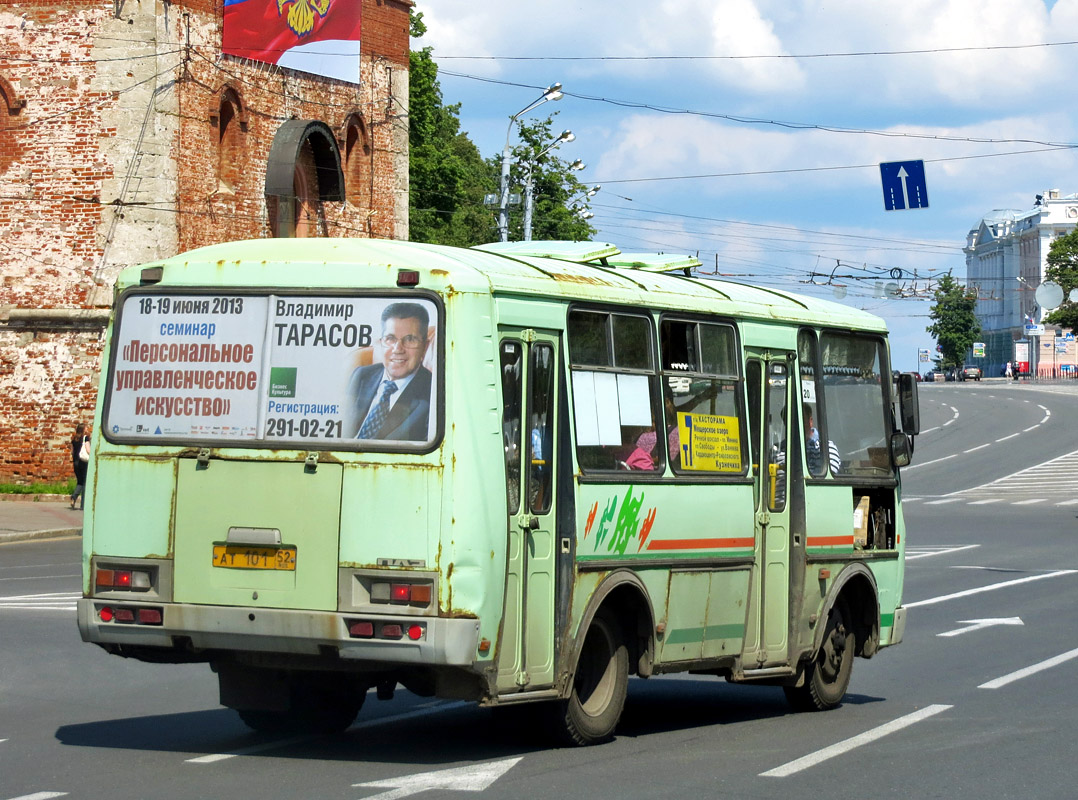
[80,460]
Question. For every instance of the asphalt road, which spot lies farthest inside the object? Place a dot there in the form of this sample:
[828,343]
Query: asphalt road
[991,588]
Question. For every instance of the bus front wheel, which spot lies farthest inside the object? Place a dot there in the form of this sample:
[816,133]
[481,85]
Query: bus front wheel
[828,676]
[594,707]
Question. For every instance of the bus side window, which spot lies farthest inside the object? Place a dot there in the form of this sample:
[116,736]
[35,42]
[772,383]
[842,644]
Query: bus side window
[700,377]
[857,416]
[614,384]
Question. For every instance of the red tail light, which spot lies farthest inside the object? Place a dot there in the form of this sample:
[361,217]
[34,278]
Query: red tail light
[105,614]
[125,615]
[392,632]
[415,633]
[362,630]
[149,616]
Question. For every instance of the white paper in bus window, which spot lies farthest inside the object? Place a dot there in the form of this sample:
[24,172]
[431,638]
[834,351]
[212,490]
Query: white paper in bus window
[634,400]
[607,409]
[587,421]
[808,391]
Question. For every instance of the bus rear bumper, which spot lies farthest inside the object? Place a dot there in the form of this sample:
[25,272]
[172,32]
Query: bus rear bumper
[194,628]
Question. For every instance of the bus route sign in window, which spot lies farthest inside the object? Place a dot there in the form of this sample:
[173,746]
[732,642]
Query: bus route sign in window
[332,371]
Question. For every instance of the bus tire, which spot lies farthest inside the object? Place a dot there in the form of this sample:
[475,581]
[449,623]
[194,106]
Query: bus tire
[317,705]
[600,684]
[827,676]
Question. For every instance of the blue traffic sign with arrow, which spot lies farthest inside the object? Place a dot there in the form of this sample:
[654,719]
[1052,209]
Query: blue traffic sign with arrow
[904,185]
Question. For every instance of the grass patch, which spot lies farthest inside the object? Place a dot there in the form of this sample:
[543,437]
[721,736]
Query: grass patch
[38,488]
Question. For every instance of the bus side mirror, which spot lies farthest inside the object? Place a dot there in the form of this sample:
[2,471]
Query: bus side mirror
[901,451]
[909,407]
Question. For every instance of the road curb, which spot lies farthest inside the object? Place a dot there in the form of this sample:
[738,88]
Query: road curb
[54,533]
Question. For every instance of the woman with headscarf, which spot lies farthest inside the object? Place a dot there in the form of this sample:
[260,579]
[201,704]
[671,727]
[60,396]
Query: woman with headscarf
[641,457]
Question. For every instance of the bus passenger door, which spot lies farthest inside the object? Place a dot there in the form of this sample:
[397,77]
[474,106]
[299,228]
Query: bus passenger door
[767,629]
[529,364]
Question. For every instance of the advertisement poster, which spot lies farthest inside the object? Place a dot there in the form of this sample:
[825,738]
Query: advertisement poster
[317,36]
[297,370]
[709,442]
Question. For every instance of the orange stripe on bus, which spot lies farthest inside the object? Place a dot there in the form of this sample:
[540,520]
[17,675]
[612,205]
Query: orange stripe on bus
[826,541]
[701,544]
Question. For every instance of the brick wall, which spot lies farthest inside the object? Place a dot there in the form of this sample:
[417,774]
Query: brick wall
[111,154]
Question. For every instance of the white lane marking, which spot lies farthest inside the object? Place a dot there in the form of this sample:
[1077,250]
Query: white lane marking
[978,624]
[990,588]
[930,430]
[927,552]
[978,447]
[1030,670]
[57,601]
[1028,502]
[1067,502]
[39,796]
[258,748]
[473,778]
[1031,428]
[1005,438]
[926,463]
[986,502]
[246,751]
[944,500]
[852,743]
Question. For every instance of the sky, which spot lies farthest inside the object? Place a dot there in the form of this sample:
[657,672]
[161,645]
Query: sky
[750,132]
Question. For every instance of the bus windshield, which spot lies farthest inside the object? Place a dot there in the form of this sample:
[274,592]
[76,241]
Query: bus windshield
[330,371]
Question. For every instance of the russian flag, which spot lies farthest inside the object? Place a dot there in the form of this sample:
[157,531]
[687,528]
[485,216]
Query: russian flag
[317,36]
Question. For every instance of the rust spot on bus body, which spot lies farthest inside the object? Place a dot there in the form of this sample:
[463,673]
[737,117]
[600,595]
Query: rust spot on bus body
[572,277]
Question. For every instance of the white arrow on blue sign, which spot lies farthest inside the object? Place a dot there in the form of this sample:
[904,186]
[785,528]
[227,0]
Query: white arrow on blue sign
[904,185]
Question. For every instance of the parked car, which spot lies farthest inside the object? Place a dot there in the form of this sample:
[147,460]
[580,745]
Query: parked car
[932,376]
[971,372]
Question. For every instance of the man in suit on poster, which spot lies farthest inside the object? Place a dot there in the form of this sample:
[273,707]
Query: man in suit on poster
[391,400]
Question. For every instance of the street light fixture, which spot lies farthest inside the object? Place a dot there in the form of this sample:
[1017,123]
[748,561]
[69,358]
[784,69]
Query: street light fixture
[529,167]
[553,92]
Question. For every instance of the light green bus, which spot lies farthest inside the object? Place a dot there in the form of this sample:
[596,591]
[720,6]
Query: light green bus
[515,473]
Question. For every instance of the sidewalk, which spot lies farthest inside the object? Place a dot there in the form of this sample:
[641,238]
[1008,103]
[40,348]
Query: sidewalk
[25,517]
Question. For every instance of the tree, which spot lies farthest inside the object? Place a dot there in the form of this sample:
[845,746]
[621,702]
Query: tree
[954,325]
[1062,268]
[559,196]
[447,175]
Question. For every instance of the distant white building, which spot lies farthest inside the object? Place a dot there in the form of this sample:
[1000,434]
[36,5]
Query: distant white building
[1005,263]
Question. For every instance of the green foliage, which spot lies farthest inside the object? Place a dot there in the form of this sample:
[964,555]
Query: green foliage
[954,325]
[1062,268]
[447,174]
[38,488]
[558,194]
[448,177]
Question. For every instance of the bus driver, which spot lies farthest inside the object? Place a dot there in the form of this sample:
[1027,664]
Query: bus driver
[391,400]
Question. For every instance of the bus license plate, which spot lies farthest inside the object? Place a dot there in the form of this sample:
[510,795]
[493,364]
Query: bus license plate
[243,557]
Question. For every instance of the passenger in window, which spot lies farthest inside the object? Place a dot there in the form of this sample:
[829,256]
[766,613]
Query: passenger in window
[643,457]
[813,455]
[391,400]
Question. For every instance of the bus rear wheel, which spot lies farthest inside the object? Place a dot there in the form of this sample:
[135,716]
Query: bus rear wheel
[828,676]
[318,703]
[600,684]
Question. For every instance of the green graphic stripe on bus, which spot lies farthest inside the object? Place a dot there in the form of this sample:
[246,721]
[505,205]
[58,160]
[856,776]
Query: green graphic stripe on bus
[627,526]
[887,620]
[707,633]
[636,558]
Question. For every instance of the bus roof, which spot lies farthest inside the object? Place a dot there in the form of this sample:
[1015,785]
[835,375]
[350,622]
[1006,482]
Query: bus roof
[343,263]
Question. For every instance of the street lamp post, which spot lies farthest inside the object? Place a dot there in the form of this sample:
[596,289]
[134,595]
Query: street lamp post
[529,182]
[553,92]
